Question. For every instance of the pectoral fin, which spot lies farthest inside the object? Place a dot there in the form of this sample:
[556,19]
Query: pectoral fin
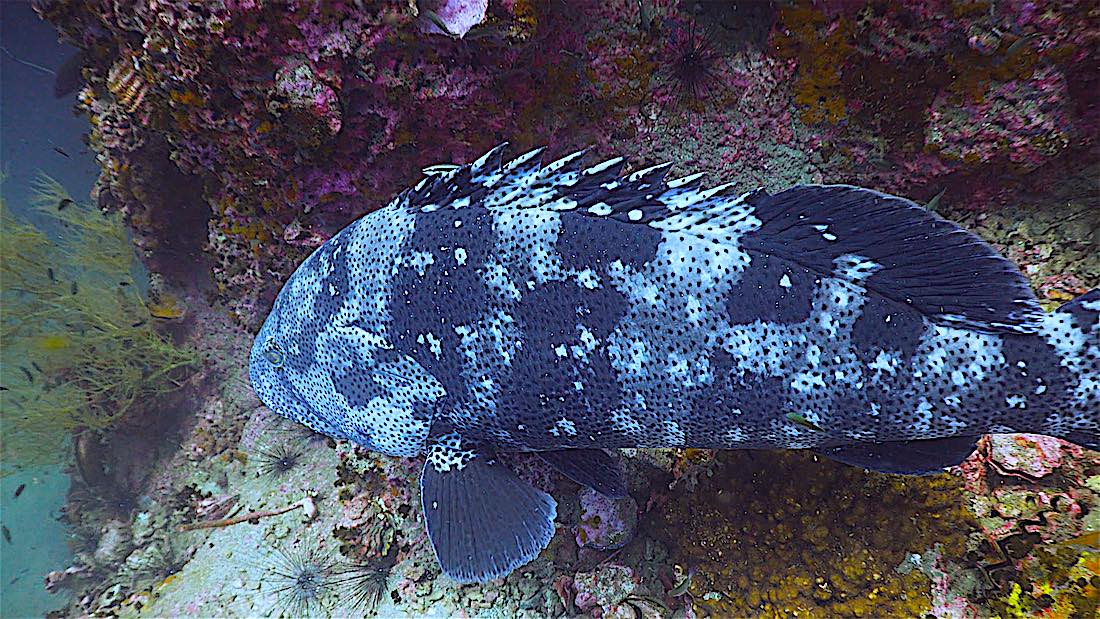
[923,457]
[594,468]
[483,521]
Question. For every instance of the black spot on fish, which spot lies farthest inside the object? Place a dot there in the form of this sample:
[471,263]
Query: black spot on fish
[746,399]
[594,243]
[65,203]
[357,386]
[885,324]
[448,294]
[27,373]
[19,490]
[552,318]
[772,290]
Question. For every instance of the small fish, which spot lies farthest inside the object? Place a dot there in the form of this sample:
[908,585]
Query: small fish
[7,533]
[802,421]
[61,151]
[2,388]
[124,283]
[1089,541]
[37,367]
[1019,43]
[138,324]
[438,22]
[27,373]
[565,309]
[934,203]
[64,204]
[19,490]
[74,288]
[53,277]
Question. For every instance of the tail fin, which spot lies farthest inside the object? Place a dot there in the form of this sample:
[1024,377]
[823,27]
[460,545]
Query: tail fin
[1076,332]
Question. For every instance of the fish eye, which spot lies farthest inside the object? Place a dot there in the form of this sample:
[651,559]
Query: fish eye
[273,354]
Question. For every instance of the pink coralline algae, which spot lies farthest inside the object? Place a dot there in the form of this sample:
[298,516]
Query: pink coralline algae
[288,123]
[300,96]
[1007,501]
[1030,456]
[1025,121]
[605,524]
[457,16]
[601,591]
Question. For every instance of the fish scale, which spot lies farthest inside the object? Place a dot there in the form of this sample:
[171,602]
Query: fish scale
[564,310]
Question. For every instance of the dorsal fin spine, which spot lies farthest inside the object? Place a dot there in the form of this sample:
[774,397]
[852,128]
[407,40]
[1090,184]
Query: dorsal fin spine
[600,167]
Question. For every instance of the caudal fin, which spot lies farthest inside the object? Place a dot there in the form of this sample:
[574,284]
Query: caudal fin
[1074,330]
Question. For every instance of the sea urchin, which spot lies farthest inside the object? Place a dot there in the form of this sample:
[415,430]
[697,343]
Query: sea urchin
[278,460]
[302,579]
[694,66]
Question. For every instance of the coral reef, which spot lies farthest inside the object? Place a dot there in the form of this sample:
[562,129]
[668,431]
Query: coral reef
[236,136]
[824,542]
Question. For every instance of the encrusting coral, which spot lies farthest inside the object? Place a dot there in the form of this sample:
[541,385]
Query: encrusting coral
[786,534]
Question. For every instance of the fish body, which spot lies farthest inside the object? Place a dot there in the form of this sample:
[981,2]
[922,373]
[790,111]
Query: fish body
[565,309]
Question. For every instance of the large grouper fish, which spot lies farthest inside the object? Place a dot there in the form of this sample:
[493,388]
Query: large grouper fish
[565,309]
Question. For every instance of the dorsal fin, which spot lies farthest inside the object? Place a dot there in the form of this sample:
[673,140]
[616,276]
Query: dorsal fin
[896,249]
[883,243]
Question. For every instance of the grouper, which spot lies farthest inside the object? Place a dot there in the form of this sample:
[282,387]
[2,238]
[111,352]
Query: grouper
[567,309]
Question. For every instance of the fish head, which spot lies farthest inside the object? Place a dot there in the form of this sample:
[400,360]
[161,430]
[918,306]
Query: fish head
[271,372]
[324,356]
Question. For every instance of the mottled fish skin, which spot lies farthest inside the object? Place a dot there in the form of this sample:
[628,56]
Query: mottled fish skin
[540,307]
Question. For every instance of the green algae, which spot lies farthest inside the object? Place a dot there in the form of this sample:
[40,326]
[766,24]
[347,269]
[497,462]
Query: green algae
[80,350]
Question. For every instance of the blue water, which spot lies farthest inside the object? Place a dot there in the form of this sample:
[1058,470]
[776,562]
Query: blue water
[32,124]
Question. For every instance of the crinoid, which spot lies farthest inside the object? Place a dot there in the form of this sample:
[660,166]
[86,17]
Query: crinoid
[278,460]
[302,579]
[363,583]
[694,65]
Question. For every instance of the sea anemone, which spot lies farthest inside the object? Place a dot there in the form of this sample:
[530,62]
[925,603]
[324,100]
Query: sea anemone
[694,65]
[302,579]
[278,461]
